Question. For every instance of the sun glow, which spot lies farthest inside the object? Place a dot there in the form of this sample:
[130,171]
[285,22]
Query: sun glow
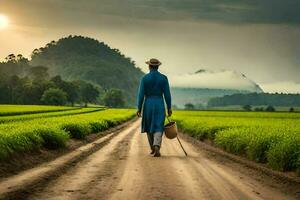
[3,21]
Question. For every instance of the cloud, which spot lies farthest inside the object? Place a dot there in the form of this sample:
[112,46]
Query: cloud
[284,87]
[224,79]
[223,11]
[184,34]
[228,11]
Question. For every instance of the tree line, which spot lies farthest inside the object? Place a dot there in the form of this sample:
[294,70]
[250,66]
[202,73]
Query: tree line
[21,83]
[256,99]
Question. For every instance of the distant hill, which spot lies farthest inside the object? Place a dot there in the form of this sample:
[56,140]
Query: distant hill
[199,96]
[256,99]
[199,87]
[77,57]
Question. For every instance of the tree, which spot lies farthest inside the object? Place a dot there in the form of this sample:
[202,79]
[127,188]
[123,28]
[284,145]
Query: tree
[77,57]
[189,106]
[39,73]
[259,109]
[88,92]
[12,84]
[11,58]
[114,98]
[174,107]
[292,109]
[35,52]
[72,91]
[54,96]
[247,107]
[270,109]
[70,88]
[199,106]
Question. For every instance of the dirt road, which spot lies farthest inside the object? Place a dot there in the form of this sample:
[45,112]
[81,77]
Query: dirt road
[123,169]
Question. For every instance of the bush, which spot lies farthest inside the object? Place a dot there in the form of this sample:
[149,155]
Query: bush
[270,109]
[99,126]
[298,165]
[247,107]
[114,98]
[259,109]
[272,138]
[77,131]
[54,96]
[54,138]
[232,141]
[260,143]
[53,132]
[285,155]
[189,106]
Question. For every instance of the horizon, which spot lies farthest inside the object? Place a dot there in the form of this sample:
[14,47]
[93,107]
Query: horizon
[258,40]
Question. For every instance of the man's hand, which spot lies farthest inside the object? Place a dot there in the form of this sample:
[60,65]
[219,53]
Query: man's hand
[138,113]
[169,113]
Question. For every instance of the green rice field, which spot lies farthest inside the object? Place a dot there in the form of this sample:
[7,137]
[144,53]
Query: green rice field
[271,138]
[51,127]
[7,110]
[23,117]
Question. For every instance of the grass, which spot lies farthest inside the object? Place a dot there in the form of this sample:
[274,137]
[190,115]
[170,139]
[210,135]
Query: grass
[272,138]
[8,110]
[6,119]
[54,132]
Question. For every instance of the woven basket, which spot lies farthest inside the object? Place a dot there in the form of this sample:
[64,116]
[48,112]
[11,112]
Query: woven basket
[171,130]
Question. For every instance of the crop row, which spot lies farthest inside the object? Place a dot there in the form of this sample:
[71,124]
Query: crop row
[272,138]
[7,119]
[8,110]
[54,132]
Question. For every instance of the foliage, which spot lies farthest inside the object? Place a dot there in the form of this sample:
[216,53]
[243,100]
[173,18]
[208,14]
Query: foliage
[24,136]
[272,138]
[270,109]
[46,114]
[38,73]
[54,96]
[28,86]
[189,106]
[88,92]
[247,107]
[77,57]
[9,110]
[71,88]
[259,109]
[114,98]
[53,139]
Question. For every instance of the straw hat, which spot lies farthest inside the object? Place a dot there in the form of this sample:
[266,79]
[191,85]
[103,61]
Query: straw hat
[153,62]
[171,130]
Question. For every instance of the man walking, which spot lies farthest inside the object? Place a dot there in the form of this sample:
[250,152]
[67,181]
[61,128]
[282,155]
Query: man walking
[154,89]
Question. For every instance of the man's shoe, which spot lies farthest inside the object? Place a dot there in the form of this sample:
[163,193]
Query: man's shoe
[152,151]
[156,151]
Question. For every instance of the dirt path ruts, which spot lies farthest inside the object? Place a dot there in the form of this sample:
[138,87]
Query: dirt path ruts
[123,169]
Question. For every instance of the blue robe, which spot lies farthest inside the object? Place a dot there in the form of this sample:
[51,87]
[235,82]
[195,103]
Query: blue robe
[154,89]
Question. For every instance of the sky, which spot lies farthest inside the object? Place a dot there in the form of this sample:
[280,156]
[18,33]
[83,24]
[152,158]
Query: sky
[259,38]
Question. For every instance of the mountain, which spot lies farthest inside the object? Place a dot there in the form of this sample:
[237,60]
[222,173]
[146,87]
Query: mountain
[199,87]
[77,57]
